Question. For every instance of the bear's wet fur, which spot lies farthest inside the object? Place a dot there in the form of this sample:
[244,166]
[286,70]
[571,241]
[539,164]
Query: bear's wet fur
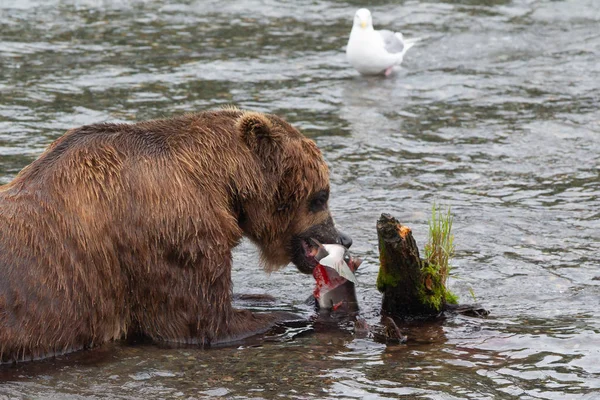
[119,230]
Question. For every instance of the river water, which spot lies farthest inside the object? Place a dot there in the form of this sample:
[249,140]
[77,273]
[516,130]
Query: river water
[495,113]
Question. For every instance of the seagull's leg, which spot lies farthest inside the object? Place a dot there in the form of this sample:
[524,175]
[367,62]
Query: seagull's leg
[388,71]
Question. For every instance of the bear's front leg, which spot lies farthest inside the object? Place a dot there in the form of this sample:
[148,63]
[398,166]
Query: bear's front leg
[244,324]
[238,324]
[192,303]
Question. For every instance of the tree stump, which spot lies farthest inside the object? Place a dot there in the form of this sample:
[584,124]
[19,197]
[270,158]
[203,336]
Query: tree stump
[411,288]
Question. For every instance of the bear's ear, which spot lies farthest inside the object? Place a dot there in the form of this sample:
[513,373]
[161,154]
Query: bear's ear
[257,131]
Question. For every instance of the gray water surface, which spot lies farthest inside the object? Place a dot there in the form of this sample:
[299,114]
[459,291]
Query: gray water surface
[494,113]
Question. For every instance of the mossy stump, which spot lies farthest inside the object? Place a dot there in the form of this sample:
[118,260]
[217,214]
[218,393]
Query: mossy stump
[411,287]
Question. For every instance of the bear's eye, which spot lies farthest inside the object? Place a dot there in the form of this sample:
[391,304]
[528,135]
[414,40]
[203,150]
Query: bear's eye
[318,201]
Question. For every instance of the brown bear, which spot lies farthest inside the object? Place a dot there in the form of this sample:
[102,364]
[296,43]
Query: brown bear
[119,230]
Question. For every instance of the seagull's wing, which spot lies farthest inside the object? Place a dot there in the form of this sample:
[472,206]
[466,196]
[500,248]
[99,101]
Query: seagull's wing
[392,42]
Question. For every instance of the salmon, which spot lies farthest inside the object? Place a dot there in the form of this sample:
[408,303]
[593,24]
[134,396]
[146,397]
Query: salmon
[335,279]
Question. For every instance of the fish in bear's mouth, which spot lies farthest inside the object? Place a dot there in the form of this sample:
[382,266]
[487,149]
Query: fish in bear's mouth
[305,250]
[335,279]
[312,256]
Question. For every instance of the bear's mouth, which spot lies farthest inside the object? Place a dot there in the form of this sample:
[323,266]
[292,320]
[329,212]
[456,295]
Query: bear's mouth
[304,252]
[303,248]
[310,251]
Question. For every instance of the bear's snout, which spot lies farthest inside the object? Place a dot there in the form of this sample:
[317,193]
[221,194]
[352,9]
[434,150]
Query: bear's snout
[345,240]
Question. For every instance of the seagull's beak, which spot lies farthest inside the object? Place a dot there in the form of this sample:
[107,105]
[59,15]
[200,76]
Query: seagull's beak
[363,24]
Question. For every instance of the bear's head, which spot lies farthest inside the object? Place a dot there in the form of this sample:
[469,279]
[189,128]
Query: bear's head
[291,206]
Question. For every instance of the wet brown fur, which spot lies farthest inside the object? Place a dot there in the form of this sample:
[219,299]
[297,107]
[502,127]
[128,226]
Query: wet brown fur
[120,229]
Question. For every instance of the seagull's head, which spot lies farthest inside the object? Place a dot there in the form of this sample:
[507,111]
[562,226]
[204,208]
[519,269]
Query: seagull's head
[363,19]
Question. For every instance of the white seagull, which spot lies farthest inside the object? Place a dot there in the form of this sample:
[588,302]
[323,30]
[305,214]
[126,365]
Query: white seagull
[374,52]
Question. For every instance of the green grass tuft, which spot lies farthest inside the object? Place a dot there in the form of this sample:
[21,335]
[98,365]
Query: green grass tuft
[473,295]
[440,248]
